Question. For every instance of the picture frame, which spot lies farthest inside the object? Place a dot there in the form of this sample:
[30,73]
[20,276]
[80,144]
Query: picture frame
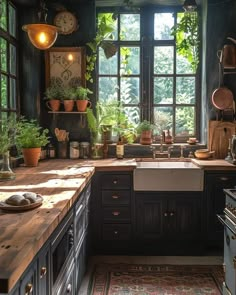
[65,66]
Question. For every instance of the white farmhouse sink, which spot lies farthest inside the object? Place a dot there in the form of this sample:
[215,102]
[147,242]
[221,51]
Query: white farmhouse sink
[168,176]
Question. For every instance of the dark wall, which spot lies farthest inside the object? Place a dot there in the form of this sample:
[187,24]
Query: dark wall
[219,22]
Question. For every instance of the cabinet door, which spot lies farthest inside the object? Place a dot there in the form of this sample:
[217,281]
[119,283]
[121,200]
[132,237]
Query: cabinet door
[44,272]
[28,285]
[185,216]
[215,183]
[151,212]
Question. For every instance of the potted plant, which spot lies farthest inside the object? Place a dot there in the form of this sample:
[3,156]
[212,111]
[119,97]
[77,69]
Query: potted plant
[7,140]
[68,96]
[144,129]
[30,137]
[53,94]
[81,97]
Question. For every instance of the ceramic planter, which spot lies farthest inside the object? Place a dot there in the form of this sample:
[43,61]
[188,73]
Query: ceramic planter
[53,104]
[82,105]
[68,105]
[146,137]
[31,156]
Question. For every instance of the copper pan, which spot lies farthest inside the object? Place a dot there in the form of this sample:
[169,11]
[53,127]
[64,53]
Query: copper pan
[222,97]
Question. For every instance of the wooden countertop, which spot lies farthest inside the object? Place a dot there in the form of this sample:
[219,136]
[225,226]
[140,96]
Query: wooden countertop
[59,181]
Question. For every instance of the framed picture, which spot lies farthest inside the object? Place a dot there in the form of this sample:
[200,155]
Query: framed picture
[65,66]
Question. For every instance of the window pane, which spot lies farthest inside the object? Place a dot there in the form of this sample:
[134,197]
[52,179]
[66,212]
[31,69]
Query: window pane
[185,90]
[130,60]
[107,66]
[3,15]
[185,120]
[163,22]
[163,59]
[12,59]
[130,27]
[3,54]
[107,88]
[183,66]
[163,118]
[12,21]
[129,91]
[12,93]
[133,114]
[163,90]
[3,91]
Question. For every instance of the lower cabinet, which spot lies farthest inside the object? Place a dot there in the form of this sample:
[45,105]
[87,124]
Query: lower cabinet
[169,222]
[60,265]
[215,182]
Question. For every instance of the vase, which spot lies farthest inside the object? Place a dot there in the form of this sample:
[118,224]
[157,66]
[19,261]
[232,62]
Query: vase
[6,173]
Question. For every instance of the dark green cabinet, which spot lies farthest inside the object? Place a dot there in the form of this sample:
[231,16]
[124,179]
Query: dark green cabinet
[215,182]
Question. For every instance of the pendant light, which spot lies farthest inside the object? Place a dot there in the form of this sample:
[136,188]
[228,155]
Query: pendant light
[189,5]
[41,35]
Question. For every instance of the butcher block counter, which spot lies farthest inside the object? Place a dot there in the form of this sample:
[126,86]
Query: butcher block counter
[59,182]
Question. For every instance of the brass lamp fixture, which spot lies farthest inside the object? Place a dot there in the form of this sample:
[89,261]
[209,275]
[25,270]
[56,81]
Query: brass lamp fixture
[41,35]
[189,5]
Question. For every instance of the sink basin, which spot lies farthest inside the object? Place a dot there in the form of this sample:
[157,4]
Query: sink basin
[168,176]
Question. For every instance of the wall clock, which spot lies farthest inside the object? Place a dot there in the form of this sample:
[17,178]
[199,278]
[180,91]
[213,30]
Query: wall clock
[66,22]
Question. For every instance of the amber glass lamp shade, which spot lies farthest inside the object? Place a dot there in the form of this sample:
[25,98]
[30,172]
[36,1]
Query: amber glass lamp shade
[42,36]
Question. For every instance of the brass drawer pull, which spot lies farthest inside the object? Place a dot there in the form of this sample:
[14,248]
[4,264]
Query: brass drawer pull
[224,178]
[116,213]
[115,197]
[28,289]
[115,181]
[43,272]
[116,232]
[172,214]
[165,214]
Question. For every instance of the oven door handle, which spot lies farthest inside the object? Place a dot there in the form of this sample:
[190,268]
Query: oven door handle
[222,220]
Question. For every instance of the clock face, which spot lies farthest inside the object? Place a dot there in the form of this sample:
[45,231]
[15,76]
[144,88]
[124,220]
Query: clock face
[66,22]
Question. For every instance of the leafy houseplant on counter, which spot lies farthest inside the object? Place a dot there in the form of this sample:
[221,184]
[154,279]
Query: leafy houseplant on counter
[81,96]
[30,137]
[144,129]
[53,94]
[68,95]
[7,140]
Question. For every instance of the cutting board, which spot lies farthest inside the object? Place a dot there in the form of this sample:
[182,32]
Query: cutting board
[219,134]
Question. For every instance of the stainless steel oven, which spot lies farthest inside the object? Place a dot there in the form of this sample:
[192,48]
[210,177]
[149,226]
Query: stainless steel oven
[229,222]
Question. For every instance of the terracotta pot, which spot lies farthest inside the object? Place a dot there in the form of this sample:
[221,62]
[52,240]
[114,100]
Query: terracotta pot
[53,104]
[31,156]
[69,105]
[82,105]
[146,137]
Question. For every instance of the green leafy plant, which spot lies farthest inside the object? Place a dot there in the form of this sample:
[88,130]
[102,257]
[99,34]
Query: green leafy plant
[186,32]
[105,28]
[30,135]
[54,92]
[81,93]
[144,126]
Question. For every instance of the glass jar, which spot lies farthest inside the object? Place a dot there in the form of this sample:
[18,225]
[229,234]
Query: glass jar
[74,150]
[84,150]
[6,173]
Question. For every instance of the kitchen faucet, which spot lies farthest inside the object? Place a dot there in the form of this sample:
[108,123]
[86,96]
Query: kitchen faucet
[182,147]
[161,153]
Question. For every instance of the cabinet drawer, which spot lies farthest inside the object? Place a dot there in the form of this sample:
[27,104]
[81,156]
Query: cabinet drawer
[116,232]
[112,197]
[116,214]
[116,181]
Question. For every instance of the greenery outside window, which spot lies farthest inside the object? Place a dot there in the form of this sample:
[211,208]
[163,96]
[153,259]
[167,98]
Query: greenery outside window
[147,74]
[8,60]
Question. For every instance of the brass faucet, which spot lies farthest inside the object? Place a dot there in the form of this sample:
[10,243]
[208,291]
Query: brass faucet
[182,147]
[161,153]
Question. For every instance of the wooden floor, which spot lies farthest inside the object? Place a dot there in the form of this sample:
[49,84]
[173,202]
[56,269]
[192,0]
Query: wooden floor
[202,260]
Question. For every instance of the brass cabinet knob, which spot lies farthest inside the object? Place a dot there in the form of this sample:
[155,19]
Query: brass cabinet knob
[115,181]
[115,197]
[43,272]
[115,213]
[28,289]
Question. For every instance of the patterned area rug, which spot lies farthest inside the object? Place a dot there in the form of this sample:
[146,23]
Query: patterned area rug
[134,279]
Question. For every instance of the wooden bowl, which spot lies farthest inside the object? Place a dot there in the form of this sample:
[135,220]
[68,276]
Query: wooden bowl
[203,154]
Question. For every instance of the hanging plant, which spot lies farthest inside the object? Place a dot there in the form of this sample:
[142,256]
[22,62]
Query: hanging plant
[105,28]
[186,33]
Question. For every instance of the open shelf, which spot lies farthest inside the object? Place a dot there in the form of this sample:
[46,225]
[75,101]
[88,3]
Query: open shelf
[62,112]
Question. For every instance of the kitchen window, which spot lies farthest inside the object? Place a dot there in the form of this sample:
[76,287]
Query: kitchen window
[8,59]
[148,76]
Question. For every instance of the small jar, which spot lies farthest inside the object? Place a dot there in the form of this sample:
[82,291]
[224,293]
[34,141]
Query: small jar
[84,150]
[51,151]
[74,150]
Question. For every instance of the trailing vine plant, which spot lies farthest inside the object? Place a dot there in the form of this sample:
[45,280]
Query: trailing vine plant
[186,33]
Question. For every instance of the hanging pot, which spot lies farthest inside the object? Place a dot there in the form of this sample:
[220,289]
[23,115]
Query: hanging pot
[222,97]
